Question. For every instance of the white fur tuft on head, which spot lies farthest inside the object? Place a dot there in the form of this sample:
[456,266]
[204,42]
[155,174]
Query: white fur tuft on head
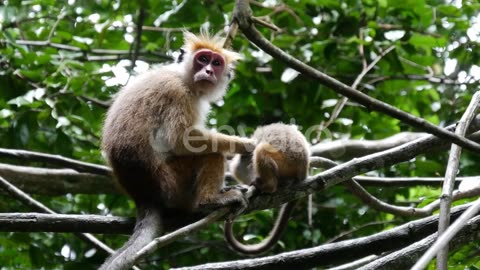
[206,41]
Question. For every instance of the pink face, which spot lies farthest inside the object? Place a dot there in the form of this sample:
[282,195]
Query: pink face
[208,66]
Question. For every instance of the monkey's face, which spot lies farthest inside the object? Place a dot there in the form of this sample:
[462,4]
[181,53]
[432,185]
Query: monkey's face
[208,67]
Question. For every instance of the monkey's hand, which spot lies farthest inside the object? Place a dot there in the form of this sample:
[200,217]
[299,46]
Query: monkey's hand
[248,146]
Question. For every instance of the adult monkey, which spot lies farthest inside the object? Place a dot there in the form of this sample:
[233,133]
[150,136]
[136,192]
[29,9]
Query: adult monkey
[156,143]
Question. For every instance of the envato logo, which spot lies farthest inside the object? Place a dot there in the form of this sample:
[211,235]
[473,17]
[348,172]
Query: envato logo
[226,138]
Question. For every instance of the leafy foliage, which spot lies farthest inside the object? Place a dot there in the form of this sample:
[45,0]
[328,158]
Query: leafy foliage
[62,61]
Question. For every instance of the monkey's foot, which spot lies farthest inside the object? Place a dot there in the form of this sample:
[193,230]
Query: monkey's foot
[240,187]
[234,198]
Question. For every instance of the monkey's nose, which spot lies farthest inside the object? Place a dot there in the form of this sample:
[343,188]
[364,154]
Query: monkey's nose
[209,71]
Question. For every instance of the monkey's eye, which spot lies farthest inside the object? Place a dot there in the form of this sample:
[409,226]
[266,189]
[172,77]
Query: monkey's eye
[216,63]
[203,59]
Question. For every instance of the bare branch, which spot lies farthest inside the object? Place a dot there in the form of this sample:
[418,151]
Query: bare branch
[406,181]
[55,160]
[64,47]
[417,77]
[450,174]
[57,181]
[348,149]
[447,236]
[344,251]
[243,15]
[163,29]
[407,257]
[356,189]
[341,103]
[29,201]
[232,32]
[38,222]
[138,39]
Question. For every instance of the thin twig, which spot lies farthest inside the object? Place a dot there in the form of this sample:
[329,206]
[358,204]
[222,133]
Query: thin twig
[341,103]
[266,24]
[232,31]
[138,40]
[450,174]
[163,29]
[54,27]
[64,47]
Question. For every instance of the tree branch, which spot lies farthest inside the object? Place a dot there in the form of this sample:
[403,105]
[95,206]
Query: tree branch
[55,160]
[447,236]
[341,103]
[406,257]
[344,251]
[243,15]
[348,149]
[64,47]
[29,201]
[356,189]
[450,174]
[61,223]
[57,181]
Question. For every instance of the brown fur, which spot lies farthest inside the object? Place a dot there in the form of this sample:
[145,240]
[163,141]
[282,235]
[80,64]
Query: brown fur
[143,139]
[280,158]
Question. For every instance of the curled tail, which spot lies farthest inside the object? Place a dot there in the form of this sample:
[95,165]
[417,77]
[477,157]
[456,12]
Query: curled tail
[269,242]
[147,227]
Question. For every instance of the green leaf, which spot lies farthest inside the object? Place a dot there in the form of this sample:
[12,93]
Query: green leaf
[427,41]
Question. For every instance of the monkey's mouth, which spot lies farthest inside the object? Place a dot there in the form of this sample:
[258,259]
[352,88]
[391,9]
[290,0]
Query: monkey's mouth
[205,78]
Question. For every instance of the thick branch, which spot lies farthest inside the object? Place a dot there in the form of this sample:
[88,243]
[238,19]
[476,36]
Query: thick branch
[334,253]
[341,252]
[447,236]
[243,15]
[62,223]
[405,258]
[38,206]
[37,222]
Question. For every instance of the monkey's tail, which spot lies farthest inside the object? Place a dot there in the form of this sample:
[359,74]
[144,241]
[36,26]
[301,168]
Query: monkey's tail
[147,227]
[269,242]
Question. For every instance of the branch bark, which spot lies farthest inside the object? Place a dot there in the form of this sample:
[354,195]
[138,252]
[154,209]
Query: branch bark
[38,222]
[55,160]
[450,174]
[406,257]
[345,251]
[348,149]
[57,181]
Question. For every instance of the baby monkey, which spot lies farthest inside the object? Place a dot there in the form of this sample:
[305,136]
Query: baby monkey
[280,159]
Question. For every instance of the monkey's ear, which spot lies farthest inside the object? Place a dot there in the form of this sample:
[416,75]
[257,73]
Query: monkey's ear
[181,55]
